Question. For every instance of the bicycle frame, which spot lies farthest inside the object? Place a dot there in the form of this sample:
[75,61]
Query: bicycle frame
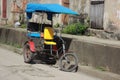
[59,51]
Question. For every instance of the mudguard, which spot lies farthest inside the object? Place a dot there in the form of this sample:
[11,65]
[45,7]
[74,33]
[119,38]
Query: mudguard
[32,46]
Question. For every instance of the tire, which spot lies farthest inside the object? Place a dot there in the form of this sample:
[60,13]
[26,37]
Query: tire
[27,54]
[68,62]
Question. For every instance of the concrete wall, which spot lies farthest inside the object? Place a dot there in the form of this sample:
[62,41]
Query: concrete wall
[80,6]
[91,51]
[12,36]
[9,11]
[100,56]
[99,53]
[50,1]
[112,16]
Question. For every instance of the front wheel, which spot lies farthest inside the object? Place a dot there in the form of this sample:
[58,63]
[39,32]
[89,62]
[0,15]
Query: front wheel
[68,62]
[27,54]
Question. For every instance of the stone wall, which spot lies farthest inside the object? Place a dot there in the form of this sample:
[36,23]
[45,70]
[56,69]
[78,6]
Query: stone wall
[12,37]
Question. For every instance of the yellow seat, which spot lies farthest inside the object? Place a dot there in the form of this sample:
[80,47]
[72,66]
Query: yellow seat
[49,36]
[50,43]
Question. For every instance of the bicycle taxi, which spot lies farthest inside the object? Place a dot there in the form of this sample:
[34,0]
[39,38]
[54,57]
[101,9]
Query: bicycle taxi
[42,42]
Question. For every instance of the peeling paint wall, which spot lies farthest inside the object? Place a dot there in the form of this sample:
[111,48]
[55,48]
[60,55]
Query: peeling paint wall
[9,9]
[57,18]
[15,16]
[50,1]
[112,16]
[81,6]
[111,19]
[0,8]
[11,16]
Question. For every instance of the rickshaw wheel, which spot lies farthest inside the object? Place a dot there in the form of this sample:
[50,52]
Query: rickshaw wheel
[27,54]
[68,62]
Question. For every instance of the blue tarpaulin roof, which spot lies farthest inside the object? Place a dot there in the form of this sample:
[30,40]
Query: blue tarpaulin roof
[52,8]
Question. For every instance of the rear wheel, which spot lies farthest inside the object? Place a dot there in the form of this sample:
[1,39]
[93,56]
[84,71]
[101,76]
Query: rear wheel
[68,62]
[27,54]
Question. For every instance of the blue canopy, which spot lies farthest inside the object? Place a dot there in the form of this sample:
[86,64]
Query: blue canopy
[52,8]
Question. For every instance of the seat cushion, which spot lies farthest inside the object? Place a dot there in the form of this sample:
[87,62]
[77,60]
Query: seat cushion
[50,43]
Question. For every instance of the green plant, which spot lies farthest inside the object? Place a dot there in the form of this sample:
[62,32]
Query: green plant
[8,25]
[23,26]
[101,68]
[57,25]
[75,28]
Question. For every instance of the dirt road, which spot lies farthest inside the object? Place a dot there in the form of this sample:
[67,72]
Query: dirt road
[12,67]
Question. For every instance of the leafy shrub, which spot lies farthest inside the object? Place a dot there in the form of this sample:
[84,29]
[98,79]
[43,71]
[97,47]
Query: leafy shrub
[23,25]
[76,28]
[57,25]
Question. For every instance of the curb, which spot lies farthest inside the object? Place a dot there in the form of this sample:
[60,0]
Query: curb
[11,48]
[104,75]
